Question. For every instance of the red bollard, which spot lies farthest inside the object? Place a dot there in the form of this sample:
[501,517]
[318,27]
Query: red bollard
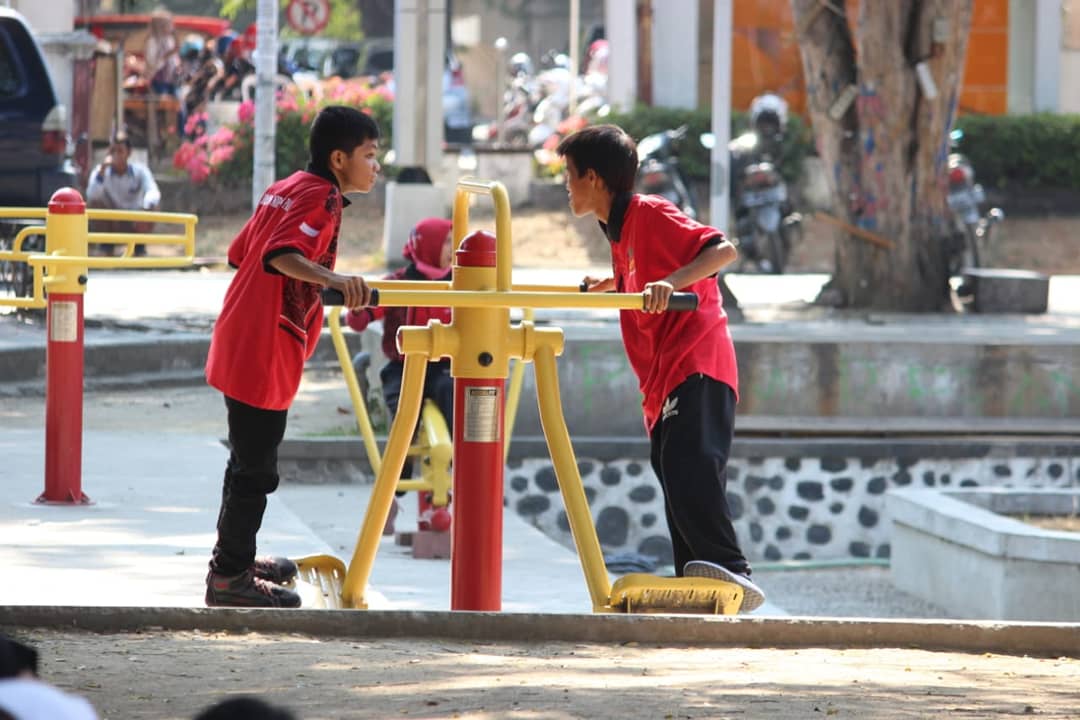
[66,232]
[479,369]
[476,559]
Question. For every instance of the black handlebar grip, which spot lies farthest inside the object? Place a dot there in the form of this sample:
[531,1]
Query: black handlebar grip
[677,301]
[683,301]
[331,296]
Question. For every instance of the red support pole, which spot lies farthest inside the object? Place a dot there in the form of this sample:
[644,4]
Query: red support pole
[479,372]
[476,560]
[64,402]
[64,359]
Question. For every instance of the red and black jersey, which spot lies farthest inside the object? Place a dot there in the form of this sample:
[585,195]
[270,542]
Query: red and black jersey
[270,324]
[650,239]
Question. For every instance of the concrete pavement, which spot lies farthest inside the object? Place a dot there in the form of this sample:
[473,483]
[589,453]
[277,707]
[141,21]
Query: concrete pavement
[146,538]
[137,556]
[161,498]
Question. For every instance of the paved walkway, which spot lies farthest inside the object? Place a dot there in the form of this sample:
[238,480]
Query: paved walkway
[136,558]
[145,540]
[156,495]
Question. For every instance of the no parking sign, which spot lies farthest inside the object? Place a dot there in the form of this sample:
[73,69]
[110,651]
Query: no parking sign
[308,16]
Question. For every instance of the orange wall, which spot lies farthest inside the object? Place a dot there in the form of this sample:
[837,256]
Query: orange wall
[766,56]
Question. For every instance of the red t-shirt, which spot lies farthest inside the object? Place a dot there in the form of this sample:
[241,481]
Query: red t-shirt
[269,324]
[664,349]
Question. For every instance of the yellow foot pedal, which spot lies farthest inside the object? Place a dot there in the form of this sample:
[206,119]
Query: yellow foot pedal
[642,593]
[319,581]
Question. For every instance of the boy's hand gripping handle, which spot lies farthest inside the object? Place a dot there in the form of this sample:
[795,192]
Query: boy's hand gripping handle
[677,301]
[331,296]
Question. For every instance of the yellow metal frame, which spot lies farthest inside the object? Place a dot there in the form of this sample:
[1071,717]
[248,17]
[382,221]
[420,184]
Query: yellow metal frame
[433,444]
[63,266]
[482,298]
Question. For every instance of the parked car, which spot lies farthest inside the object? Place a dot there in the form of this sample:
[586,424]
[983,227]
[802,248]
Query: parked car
[322,57]
[374,57]
[35,158]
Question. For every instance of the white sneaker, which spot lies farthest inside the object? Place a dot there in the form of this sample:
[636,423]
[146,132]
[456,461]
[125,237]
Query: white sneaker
[753,596]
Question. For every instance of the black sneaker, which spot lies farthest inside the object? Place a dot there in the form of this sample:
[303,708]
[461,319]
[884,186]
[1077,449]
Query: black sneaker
[753,596]
[278,570]
[246,590]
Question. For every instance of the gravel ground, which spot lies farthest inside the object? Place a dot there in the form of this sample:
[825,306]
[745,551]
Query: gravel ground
[156,674]
[843,592]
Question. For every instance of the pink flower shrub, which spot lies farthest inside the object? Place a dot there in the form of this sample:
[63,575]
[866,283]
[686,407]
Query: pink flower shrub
[246,112]
[225,156]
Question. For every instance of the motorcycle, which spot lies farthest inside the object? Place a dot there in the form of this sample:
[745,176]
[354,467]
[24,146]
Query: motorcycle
[970,227]
[765,224]
[659,172]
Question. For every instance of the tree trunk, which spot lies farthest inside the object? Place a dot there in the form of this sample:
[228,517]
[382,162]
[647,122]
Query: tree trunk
[886,149]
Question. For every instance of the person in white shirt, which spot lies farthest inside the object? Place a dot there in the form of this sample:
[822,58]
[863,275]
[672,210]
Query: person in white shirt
[25,696]
[162,54]
[119,184]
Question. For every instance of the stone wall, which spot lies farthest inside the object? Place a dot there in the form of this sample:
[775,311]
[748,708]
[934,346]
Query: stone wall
[792,499]
[811,502]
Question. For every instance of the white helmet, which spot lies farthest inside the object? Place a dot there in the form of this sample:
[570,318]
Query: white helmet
[767,105]
[521,64]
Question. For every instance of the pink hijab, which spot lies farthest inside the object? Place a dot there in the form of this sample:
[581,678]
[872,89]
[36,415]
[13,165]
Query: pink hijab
[425,244]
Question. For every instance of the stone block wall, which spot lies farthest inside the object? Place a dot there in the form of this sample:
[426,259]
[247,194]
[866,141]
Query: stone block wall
[791,500]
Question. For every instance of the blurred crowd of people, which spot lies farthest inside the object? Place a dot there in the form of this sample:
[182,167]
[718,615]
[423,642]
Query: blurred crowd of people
[194,69]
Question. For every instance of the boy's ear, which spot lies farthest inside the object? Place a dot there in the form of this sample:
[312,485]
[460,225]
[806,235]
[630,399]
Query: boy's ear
[338,159]
[595,180]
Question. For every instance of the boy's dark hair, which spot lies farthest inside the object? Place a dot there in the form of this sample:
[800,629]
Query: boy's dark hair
[605,149]
[338,127]
[244,708]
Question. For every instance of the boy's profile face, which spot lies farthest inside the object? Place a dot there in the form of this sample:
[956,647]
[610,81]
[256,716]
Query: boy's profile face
[583,191]
[358,170]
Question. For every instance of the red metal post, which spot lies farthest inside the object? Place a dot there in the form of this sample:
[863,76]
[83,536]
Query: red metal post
[476,560]
[64,357]
[479,382]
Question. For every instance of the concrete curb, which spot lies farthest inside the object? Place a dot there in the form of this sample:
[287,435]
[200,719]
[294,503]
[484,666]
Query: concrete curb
[1037,639]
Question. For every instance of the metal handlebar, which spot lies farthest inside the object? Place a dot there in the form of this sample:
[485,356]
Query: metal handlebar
[680,301]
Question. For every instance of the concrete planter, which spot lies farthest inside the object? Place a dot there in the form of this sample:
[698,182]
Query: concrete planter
[957,550]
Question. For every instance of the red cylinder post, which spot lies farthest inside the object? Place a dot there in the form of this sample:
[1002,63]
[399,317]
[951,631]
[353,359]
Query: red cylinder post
[64,402]
[476,555]
[476,560]
[64,380]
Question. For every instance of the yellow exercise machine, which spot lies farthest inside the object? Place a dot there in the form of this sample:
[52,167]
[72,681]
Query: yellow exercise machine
[480,342]
[432,446]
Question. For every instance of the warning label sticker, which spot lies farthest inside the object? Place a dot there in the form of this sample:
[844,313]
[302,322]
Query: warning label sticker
[481,414]
[64,322]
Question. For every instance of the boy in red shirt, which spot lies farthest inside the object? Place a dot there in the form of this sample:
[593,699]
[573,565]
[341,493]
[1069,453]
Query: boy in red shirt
[268,328]
[684,361]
